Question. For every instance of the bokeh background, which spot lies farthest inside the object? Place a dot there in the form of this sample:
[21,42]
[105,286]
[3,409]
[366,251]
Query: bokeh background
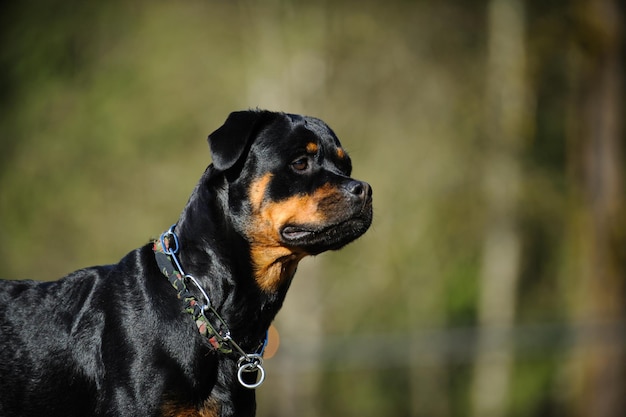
[492,131]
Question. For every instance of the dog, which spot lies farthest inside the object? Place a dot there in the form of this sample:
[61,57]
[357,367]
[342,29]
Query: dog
[178,326]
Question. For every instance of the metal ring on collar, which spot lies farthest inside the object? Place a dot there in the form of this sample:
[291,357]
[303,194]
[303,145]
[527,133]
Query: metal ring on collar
[169,234]
[251,367]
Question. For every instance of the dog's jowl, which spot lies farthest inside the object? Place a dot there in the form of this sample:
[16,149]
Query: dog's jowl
[178,326]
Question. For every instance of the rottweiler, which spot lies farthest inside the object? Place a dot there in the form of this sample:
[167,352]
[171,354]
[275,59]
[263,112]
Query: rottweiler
[178,326]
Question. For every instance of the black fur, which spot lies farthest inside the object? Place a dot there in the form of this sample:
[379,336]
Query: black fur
[113,340]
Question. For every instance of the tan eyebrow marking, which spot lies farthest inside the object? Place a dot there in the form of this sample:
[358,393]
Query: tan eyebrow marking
[311,147]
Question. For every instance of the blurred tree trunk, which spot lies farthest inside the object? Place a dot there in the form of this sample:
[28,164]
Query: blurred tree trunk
[298,392]
[427,370]
[506,119]
[596,154]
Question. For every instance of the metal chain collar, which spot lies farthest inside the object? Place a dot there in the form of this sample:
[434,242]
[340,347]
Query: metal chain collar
[220,339]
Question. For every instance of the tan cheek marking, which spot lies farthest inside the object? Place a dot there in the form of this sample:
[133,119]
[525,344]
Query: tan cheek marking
[257,190]
[302,209]
[296,210]
[273,262]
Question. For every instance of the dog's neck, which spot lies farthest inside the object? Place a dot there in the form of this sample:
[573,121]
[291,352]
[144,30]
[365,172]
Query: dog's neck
[273,269]
[221,259]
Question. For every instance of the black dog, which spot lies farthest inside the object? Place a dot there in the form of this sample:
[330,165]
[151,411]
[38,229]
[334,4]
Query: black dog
[177,328]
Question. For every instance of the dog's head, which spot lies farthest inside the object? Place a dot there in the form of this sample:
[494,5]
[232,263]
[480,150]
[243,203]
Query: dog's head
[290,190]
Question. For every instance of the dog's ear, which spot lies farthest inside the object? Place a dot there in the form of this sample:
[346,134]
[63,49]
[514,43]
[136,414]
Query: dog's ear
[230,142]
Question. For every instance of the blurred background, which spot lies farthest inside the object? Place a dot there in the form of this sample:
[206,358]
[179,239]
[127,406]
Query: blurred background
[492,131]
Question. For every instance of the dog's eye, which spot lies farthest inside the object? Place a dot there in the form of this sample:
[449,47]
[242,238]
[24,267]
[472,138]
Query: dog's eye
[300,164]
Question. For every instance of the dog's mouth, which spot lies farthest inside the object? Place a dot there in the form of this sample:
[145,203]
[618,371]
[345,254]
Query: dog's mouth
[294,233]
[314,239]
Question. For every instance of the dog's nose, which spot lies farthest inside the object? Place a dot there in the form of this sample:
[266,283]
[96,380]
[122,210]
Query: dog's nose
[359,189]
